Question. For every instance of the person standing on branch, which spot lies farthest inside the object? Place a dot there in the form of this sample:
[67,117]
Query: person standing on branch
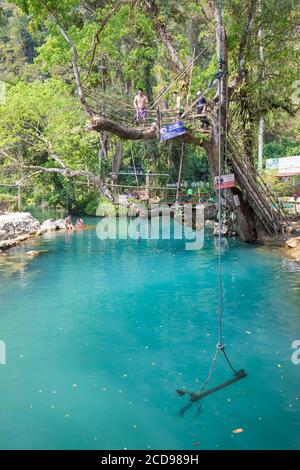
[201,103]
[178,108]
[140,103]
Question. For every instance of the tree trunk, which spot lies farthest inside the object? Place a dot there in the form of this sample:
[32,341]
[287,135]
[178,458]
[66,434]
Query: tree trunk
[245,222]
[116,161]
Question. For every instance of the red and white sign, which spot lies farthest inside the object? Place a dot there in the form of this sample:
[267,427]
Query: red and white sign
[224,182]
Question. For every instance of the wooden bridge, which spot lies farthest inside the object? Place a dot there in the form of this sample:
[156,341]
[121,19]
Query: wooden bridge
[265,204]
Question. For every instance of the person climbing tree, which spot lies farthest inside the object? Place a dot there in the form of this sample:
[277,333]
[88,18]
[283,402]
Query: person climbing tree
[140,103]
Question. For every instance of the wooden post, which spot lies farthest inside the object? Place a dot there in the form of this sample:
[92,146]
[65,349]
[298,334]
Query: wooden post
[260,144]
[19,198]
[158,118]
[147,192]
[190,80]
[180,172]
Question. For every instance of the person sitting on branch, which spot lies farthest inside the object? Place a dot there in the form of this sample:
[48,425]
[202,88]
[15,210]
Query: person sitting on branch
[140,103]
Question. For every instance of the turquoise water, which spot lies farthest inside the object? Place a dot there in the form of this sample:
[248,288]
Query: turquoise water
[100,334]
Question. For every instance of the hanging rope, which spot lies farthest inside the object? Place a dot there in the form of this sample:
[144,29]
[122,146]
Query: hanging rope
[195,397]
[180,172]
[219,190]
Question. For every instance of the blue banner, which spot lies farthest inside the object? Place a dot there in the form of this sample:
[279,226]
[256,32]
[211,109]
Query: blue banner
[172,130]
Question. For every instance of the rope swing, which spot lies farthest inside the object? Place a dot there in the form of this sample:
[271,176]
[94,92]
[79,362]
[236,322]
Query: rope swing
[220,348]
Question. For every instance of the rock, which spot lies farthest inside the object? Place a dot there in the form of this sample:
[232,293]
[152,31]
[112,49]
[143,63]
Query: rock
[209,223]
[224,230]
[49,226]
[290,229]
[16,227]
[210,212]
[293,242]
[137,210]
[33,253]
[296,254]
[292,249]
[133,211]
[60,224]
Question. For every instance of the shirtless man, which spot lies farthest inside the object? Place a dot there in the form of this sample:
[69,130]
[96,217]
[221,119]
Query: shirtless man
[140,103]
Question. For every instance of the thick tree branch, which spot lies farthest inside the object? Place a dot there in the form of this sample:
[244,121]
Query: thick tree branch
[66,172]
[100,124]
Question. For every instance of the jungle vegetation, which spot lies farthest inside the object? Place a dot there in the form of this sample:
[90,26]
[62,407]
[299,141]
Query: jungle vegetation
[122,46]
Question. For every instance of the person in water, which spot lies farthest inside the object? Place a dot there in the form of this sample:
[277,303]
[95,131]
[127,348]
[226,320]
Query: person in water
[79,224]
[140,103]
[69,223]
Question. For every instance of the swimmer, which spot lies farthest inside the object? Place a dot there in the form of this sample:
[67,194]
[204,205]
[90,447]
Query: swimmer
[79,224]
[69,223]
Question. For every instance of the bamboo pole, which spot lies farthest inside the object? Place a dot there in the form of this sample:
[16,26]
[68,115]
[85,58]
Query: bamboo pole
[191,77]
[176,80]
[180,172]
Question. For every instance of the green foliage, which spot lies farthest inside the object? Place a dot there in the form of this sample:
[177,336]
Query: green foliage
[8,202]
[42,116]
[282,186]
[282,148]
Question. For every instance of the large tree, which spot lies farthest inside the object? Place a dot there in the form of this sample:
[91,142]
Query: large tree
[124,44]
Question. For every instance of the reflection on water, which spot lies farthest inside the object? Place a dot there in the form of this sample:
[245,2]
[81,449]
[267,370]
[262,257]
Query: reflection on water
[42,213]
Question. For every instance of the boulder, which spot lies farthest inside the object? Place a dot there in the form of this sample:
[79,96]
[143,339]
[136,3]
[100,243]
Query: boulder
[293,242]
[16,227]
[210,212]
[49,226]
[34,253]
[60,224]
[224,230]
